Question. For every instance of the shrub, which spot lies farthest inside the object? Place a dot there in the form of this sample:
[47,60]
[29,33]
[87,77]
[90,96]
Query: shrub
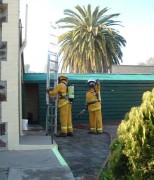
[132,153]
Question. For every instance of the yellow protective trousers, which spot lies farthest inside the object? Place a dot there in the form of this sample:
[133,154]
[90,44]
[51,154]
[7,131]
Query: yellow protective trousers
[66,118]
[95,118]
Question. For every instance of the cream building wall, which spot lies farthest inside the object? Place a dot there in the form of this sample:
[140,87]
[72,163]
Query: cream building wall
[10,72]
[10,109]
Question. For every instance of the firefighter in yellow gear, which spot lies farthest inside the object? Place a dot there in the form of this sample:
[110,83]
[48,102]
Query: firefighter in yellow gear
[64,105]
[93,104]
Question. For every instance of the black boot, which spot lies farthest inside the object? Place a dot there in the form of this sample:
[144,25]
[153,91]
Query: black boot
[99,132]
[61,135]
[70,134]
[91,132]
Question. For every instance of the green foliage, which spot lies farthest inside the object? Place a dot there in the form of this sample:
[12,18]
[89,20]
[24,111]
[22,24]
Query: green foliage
[91,43]
[132,154]
[106,174]
[118,161]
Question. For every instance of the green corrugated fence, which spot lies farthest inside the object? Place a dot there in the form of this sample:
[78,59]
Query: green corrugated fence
[118,93]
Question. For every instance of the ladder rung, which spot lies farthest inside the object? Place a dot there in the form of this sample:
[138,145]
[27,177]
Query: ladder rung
[53,61]
[53,35]
[53,79]
[53,106]
[52,53]
[53,44]
[53,70]
[52,116]
[52,100]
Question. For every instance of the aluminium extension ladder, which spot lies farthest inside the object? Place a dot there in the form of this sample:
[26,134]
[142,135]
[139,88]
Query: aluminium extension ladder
[52,102]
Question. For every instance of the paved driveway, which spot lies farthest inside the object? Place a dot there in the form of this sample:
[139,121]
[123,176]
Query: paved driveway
[86,153]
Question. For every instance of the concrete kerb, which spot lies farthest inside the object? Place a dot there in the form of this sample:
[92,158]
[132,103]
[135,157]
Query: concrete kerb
[59,157]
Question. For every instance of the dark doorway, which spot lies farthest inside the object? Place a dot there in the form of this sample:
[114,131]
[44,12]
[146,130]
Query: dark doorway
[31,103]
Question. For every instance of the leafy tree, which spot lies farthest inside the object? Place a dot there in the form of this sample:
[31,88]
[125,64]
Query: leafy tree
[149,62]
[90,43]
[27,68]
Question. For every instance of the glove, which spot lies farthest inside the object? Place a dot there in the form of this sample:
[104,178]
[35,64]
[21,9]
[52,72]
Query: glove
[50,89]
[97,82]
[47,90]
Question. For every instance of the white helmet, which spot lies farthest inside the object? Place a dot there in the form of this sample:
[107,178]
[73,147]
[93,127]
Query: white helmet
[91,82]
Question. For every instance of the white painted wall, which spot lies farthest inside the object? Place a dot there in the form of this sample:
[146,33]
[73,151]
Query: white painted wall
[10,73]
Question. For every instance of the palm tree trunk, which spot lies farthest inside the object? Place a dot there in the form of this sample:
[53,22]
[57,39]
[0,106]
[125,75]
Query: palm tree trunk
[105,65]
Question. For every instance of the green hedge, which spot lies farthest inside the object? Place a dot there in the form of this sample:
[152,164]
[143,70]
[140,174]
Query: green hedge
[132,154]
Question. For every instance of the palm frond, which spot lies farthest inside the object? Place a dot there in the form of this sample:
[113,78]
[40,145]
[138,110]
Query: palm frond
[91,44]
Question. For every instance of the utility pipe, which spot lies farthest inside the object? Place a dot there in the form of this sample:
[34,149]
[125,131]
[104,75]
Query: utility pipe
[20,53]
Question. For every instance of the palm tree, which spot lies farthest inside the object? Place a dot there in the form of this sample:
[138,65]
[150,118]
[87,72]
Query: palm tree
[90,43]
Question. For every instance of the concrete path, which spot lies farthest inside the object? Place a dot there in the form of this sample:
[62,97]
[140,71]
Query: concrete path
[78,157]
[33,165]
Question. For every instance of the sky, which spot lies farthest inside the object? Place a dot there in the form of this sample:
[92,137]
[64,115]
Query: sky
[136,16]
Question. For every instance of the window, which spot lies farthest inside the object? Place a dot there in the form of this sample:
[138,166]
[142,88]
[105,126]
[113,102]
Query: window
[2,91]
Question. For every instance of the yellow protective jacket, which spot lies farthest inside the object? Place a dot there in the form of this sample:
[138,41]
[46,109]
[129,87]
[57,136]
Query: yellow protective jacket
[93,99]
[61,90]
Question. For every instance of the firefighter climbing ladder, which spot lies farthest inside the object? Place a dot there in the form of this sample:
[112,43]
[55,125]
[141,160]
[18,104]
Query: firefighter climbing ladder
[52,102]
